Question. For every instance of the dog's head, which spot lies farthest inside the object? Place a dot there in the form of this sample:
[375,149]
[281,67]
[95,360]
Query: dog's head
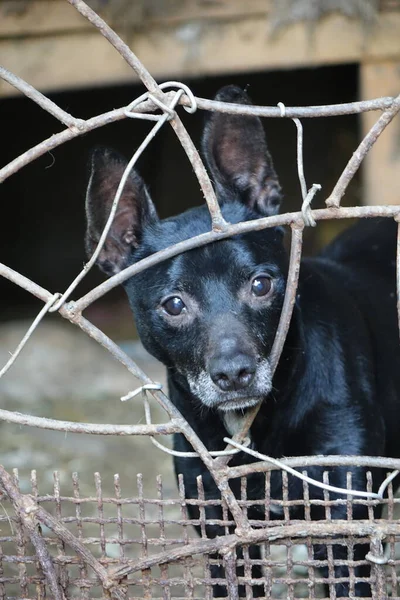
[210,314]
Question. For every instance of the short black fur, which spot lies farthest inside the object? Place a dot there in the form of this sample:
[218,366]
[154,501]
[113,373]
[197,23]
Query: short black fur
[211,314]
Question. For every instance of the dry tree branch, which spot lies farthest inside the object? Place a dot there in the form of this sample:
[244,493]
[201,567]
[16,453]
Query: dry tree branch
[317,461]
[30,514]
[295,218]
[90,428]
[271,533]
[68,134]
[148,106]
[362,150]
[45,103]
[283,326]
[25,508]
[79,127]
[292,112]
[176,123]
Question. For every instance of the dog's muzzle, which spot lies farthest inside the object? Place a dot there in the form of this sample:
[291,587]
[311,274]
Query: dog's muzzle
[234,389]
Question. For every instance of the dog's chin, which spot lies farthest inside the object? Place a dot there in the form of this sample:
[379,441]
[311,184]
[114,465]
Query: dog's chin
[237,403]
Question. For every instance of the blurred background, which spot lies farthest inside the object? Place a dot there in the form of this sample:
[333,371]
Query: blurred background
[303,52]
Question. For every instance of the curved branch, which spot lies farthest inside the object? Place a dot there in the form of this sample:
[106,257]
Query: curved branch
[362,150]
[191,151]
[271,533]
[65,136]
[45,103]
[93,428]
[390,464]
[25,508]
[293,112]
[231,230]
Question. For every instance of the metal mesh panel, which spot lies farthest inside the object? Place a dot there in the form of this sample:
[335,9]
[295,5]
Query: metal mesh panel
[155,536]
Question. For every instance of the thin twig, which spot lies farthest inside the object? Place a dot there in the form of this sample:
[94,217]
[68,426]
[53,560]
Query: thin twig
[116,115]
[118,44]
[218,222]
[291,112]
[330,488]
[92,428]
[290,295]
[358,156]
[131,59]
[272,533]
[150,136]
[283,326]
[68,134]
[45,103]
[28,334]
[25,508]
[231,230]
[217,474]
[302,462]
[300,165]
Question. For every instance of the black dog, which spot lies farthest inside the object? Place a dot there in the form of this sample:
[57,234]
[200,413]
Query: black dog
[211,314]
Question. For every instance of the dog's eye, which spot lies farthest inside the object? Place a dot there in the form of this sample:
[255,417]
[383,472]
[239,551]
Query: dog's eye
[261,285]
[174,306]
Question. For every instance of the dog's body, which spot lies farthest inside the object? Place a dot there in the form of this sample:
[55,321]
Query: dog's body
[211,314]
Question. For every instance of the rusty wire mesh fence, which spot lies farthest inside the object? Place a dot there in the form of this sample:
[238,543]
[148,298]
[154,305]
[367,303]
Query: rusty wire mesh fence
[133,544]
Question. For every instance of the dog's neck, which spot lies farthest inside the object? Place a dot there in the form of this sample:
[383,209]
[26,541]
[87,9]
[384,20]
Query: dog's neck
[233,421]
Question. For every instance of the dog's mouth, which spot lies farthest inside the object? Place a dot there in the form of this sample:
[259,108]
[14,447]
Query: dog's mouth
[238,403]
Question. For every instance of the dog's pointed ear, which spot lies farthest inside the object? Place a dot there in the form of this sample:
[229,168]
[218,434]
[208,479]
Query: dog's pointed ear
[135,210]
[237,155]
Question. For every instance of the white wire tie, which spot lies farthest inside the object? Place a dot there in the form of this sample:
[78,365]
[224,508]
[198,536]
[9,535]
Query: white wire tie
[306,206]
[169,110]
[282,108]
[377,559]
[130,109]
[46,308]
[142,389]
[186,89]
[213,453]
[157,444]
[325,486]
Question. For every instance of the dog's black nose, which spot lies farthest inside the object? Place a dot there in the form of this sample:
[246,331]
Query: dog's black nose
[232,374]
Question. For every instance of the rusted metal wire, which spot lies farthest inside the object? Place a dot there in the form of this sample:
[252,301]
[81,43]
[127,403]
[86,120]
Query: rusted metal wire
[184,554]
[119,577]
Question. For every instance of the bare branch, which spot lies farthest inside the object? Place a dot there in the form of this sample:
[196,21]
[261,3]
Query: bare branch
[118,44]
[231,230]
[358,156]
[25,508]
[283,326]
[65,136]
[92,428]
[28,334]
[177,125]
[317,461]
[293,112]
[272,533]
[45,103]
